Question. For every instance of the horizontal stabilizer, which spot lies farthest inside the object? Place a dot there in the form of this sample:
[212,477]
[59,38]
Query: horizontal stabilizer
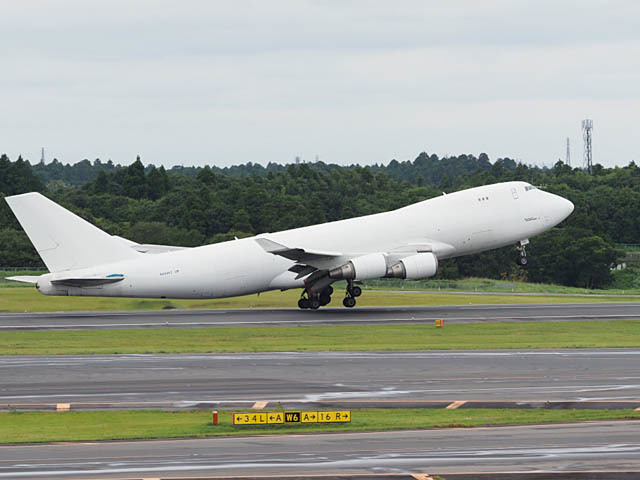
[151,248]
[148,247]
[24,278]
[87,281]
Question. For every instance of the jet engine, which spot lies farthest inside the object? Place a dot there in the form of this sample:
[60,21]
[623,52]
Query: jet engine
[365,267]
[415,267]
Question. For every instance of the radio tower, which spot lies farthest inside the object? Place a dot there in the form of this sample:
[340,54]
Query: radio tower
[587,129]
[568,158]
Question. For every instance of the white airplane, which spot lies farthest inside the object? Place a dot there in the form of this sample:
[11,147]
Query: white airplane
[404,243]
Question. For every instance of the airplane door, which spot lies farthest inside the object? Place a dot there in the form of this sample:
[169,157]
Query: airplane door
[514,192]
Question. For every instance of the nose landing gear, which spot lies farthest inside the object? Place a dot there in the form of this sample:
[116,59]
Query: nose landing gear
[522,259]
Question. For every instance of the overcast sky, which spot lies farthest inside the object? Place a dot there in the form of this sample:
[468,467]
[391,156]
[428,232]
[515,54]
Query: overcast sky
[217,82]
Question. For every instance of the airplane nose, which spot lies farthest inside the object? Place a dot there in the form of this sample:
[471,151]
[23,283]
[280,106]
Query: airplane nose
[563,208]
[568,207]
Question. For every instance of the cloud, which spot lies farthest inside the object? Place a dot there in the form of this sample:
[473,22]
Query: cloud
[354,81]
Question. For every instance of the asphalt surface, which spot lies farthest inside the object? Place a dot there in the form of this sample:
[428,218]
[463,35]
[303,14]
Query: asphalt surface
[324,316]
[202,380]
[555,448]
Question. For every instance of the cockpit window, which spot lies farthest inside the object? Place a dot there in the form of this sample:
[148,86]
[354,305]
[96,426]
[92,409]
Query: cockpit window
[529,187]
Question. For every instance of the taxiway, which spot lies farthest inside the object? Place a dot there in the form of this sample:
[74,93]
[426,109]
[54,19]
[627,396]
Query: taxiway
[550,448]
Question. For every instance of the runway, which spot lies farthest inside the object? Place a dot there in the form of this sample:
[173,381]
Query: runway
[204,380]
[350,379]
[324,316]
[552,448]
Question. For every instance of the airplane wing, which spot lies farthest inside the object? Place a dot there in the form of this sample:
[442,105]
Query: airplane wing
[299,255]
[307,261]
[314,262]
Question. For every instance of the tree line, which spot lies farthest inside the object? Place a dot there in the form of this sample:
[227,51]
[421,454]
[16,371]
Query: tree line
[191,206]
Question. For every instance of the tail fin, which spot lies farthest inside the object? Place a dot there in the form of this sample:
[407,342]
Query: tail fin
[63,240]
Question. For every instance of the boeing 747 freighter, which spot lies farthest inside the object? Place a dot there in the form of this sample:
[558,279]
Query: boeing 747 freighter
[405,243]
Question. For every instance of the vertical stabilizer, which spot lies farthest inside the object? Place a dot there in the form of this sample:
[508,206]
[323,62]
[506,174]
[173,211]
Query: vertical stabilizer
[63,240]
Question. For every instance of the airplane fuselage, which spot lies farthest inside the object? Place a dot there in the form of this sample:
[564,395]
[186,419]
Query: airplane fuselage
[451,225]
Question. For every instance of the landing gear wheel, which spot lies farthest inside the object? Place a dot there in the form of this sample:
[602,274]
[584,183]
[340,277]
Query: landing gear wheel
[356,291]
[303,303]
[314,304]
[522,260]
[328,290]
[325,299]
[349,302]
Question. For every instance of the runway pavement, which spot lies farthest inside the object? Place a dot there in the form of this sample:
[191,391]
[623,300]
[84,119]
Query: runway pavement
[552,448]
[203,380]
[324,316]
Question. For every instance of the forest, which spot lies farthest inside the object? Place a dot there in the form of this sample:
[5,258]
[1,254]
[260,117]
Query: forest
[192,206]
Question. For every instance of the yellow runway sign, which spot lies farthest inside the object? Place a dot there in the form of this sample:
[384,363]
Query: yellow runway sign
[268,418]
[249,418]
[342,416]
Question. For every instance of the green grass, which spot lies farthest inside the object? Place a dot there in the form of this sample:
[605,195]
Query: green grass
[530,335]
[493,286]
[29,300]
[22,427]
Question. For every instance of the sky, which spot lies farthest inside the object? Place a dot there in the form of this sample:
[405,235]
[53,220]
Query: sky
[227,82]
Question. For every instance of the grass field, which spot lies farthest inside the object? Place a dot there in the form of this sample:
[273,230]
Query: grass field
[529,335]
[491,285]
[28,299]
[22,427]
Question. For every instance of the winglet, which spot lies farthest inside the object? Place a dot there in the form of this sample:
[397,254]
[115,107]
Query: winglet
[270,246]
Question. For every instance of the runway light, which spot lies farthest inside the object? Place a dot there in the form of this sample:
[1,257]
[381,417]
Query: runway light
[439,323]
[215,417]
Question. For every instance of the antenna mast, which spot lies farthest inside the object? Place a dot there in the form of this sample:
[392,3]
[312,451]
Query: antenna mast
[567,160]
[587,129]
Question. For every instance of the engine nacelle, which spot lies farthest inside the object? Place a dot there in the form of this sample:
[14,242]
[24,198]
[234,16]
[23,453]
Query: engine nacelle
[365,267]
[415,267]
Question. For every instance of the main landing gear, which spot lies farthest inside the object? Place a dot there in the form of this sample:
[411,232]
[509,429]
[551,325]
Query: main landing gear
[315,300]
[352,292]
[522,259]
